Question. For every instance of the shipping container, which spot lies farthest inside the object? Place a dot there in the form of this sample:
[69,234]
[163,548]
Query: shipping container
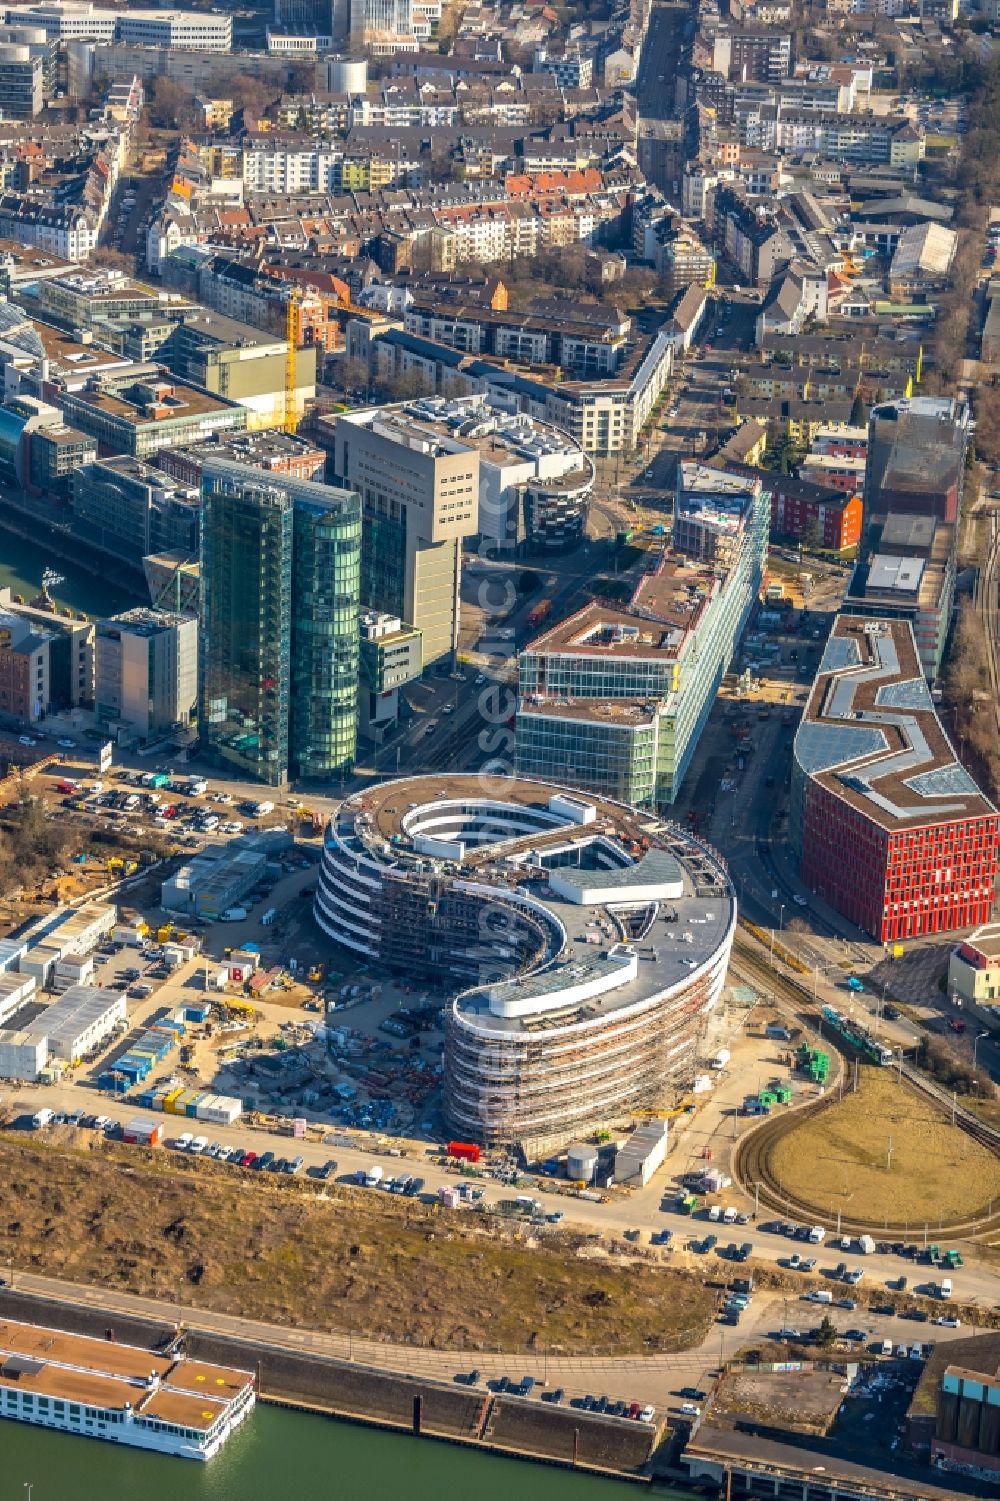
[466,1150]
[196,1013]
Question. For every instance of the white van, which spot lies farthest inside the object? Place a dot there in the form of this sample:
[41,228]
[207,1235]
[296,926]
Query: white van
[715,1213]
[945,1289]
[820,1295]
[729,1216]
[885,1348]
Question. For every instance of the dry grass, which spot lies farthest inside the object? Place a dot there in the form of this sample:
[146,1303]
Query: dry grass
[157,1225]
[838,1159]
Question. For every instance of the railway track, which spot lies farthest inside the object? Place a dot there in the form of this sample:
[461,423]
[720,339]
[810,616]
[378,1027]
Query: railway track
[985,602]
[752,1155]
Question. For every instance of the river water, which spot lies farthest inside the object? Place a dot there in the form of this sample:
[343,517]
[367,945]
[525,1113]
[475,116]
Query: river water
[288,1456]
[23,563]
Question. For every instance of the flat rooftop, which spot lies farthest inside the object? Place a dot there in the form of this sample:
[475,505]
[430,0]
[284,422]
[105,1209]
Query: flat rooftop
[454,426]
[676,881]
[179,401]
[871,735]
[103,1373]
[603,631]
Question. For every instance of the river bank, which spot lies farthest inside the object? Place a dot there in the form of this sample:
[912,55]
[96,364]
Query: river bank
[22,563]
[280,1453]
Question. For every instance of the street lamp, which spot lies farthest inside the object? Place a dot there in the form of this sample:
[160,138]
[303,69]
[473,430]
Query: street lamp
[975,1046]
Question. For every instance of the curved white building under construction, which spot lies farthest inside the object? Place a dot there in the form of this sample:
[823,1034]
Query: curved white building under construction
[586,942]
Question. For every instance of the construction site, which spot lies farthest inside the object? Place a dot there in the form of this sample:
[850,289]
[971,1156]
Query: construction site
[587,944]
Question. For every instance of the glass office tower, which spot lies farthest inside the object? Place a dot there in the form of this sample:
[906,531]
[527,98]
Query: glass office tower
[326,573]
[279,617]
[245,643]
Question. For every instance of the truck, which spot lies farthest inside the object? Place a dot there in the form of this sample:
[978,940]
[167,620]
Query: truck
[42,1117]
[269,917]
[539,612]
[721,1058]
[373,1177]
[944,1290]
[866,1245]
[233,914]
[817,1235]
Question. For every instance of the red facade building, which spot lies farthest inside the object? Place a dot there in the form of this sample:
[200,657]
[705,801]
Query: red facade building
[797,506]
[890,828]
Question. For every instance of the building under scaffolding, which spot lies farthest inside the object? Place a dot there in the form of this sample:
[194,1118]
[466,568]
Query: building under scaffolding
[586,942]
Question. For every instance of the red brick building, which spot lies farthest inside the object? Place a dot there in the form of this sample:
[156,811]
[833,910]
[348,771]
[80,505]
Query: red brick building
[797,507]
[890,829]
[796,503]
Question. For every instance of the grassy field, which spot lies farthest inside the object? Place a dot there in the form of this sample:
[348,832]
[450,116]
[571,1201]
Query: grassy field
[155,1224]
[838,1160]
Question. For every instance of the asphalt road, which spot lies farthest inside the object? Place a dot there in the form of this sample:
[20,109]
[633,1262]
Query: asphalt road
[654,1378]
[637,1213]
[670,29]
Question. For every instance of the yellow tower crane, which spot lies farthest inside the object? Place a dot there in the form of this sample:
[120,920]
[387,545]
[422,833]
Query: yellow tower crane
[292,335]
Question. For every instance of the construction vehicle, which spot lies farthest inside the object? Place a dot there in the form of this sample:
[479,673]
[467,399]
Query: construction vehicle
[664,1115]
[315,974]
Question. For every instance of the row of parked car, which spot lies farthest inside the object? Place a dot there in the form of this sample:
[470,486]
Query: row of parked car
[525,1387]
[200,1146]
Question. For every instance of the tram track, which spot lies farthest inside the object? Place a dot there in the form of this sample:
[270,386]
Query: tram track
[751,1166]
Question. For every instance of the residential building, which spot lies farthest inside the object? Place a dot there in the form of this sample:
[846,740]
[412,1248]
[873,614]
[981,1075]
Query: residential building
[46,661]
[763,56]
[795,298]
[145,673]
[974,969]
[420,493]
[280,568]
[615,700]
[817,514]
[889,828]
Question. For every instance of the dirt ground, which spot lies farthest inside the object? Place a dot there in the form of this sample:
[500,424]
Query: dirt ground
[839,1159]
[804,1401]
[347,1260]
